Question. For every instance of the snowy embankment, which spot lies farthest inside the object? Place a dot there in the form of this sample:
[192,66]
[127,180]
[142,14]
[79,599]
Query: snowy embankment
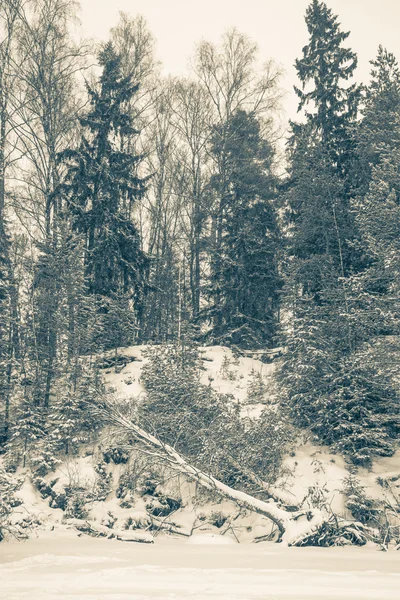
[61,567]
[310,467]
[310,471]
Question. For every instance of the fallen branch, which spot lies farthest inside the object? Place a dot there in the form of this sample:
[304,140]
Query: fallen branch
[164,525]
[124,535]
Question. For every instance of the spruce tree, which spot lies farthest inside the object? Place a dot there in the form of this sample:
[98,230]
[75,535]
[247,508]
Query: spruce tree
[328,384]
[102,187]
[379,129]
[244,279]
[321,150]
[377,206]
[28,428]
[331,105]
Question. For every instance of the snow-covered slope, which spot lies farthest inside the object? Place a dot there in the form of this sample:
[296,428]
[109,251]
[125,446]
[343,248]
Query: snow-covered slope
[309,471]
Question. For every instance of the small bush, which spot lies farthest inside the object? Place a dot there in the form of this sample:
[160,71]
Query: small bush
[103,484]
[75,503]
[362,507]
[256,388]
[217,519]
[116,455]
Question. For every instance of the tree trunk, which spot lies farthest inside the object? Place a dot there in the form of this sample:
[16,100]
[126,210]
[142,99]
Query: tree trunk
[293,526]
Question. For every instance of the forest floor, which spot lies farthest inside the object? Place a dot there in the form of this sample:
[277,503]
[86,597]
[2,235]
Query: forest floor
[64,567]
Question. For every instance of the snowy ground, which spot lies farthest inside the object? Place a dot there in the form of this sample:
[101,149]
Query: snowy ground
[209,565]
[309,466]
[49,568]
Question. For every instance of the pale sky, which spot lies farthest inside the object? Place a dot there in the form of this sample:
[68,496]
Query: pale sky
[277,26]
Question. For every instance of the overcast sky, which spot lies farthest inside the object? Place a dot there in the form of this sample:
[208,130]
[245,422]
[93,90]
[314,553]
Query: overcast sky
[276,25]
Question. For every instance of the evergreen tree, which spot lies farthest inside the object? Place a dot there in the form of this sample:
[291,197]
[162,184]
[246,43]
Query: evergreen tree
[117,322]
[321,151]
[244,280]
[60,327]
[377,206]
[102,187]
[326,64]
[28,428]
[47,297]
[332,386]
[70,423]
[328,383]
[379,130]
[8,500]
[321,226]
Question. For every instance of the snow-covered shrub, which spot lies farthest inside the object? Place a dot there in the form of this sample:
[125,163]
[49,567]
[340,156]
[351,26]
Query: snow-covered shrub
[138,521]
[139,477]
[118,456]
[44,460]
[59,500]
[362,507]
[45,488]
[316,497]
[383,515]
[339,532]
[76,500]
[110,520]
[8,501]
[256,388]
[226,371]
[206,426]
[103,483]
[217,518]
[161,506]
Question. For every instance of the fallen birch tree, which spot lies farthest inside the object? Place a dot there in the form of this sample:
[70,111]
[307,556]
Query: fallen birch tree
[293,526]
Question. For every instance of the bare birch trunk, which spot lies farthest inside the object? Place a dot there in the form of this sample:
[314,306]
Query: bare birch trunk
[293,526]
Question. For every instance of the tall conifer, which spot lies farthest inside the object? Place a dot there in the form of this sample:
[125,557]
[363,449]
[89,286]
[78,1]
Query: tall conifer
[244,280]
[103,185]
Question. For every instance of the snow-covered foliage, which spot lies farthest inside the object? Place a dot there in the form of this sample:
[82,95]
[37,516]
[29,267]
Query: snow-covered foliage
[8,500]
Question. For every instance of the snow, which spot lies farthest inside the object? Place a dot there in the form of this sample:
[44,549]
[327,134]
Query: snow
[207,539]
[126,382]
[214,562]
[50,568]
[239,370]
[315,466]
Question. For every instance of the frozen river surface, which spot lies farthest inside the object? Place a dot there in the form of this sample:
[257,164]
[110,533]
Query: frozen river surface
[61,566]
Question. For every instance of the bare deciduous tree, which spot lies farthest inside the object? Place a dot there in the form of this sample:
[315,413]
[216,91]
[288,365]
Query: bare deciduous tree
[50,64]
[232,79]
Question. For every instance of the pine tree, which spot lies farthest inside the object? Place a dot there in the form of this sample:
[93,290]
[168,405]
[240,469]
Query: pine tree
[377,206]
[102,187]
[117,321]
[244,280]
[321,226]
[321,150]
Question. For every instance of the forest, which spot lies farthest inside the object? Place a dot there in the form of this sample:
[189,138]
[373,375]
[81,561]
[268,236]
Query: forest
[176,214]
